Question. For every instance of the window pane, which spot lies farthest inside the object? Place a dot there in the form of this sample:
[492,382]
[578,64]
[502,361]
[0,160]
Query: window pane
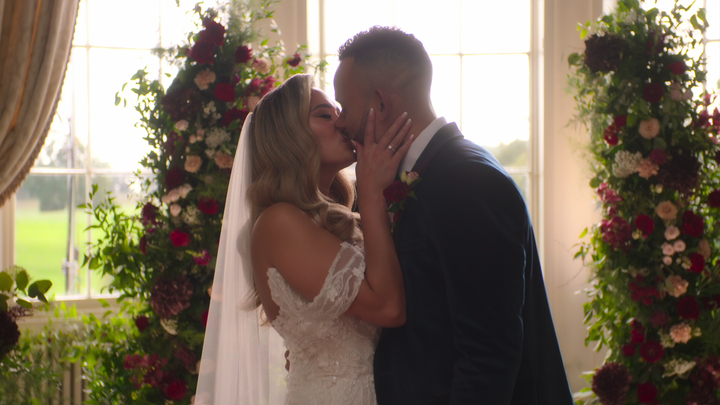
[43,229]
[126,24]
[436,24]
[116,143]
[332,67]
[712,52]
[712,13]
[126,195]
[343,19]
[80,35]
[446,87]
[75,101]
[495,111]
[495,26]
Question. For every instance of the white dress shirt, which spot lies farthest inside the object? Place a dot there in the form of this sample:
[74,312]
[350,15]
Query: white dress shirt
[421,142]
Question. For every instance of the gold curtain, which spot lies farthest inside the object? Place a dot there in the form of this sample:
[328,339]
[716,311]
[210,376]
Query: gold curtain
[35,41]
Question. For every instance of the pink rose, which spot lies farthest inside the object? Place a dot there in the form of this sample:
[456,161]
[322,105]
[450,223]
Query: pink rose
[667,260]
[666,210]
[704,248]
[193,163]
[181,125]
[668,249]
[175,210]
[649,129]
[647,168]
[223,160]
[261,65]
[672,232]
[679,245]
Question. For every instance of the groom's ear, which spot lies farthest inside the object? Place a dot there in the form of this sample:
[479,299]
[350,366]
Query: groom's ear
[382,102]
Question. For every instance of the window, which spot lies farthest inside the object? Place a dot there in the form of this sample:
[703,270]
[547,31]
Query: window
[91,141]
[485,64]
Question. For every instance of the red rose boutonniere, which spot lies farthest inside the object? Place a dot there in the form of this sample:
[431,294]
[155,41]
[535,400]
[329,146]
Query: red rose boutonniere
[398,192]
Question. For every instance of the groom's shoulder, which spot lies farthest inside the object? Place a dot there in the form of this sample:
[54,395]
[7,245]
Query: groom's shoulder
[462,154]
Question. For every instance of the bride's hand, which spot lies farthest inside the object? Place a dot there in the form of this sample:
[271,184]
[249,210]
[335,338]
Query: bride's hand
[377,163]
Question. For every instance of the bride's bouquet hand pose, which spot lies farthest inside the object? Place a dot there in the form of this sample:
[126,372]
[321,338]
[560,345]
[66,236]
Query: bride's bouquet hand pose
[291,244]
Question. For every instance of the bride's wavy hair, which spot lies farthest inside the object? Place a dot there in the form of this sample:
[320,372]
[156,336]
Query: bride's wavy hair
[286,162]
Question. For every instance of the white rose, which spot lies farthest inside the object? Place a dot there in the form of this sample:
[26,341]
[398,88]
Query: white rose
[175,210]
[192,164]
[204,78]
[649,129]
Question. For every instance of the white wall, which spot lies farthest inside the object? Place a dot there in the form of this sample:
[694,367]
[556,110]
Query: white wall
[568,199]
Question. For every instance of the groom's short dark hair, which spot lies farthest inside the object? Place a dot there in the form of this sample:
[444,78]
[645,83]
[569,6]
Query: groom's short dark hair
[384,51]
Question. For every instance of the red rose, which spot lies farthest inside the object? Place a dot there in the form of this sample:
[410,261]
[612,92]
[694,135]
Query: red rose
[208,206]
[174,177]
[688,308]
[179,238]
[658,156]
[142,323]
[149,213]
[647,392]
[647,300]
[628,350]
[234,114]
[678,67]
[143,244]
[610,136]
[635,324]
[396,191]
[703,119]
[396,216]
[645,224]
[129,362]
[653,92]
[693,225]
[620,121]
[204,319]
[652,351]
[213,32]
[203,52]
[698,263]
[203,259]
[176,390]
[243,54]
[294,61]
[224,92]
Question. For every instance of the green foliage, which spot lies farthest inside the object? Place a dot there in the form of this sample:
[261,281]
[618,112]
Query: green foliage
[18,277]
[166,250]
[650,150]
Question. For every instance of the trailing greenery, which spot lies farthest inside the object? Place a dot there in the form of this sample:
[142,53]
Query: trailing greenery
[654,257]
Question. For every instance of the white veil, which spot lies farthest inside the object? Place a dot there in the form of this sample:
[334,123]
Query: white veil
[242,362]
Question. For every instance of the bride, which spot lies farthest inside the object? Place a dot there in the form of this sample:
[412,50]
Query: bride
[291,245]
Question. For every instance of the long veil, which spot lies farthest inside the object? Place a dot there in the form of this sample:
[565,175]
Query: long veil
[242,361]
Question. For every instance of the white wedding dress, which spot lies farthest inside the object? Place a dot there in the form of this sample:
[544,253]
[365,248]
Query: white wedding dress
[331,355]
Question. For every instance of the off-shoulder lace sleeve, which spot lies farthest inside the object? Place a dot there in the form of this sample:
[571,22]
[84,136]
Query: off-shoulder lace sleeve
[338,292]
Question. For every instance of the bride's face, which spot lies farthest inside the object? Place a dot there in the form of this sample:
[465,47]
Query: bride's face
[336,151]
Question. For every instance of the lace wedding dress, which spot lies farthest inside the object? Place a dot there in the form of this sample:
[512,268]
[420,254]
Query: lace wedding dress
[331,355]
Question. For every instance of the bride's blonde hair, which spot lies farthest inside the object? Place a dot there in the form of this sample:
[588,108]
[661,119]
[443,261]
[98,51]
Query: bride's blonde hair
[286,162]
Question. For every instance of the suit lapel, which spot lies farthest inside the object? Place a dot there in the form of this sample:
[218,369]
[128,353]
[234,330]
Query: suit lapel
[446,133]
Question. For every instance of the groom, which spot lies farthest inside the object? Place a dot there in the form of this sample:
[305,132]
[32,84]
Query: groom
[479,328]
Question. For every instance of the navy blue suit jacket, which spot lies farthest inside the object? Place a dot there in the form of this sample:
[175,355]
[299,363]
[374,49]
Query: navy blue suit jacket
[479,328]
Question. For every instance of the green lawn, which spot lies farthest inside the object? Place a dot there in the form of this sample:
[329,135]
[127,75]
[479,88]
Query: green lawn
[41,245]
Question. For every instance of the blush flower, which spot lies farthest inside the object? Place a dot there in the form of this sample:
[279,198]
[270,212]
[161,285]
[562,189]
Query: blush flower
[672,232]
[666,210]
[261,65]
[678,285]
[193,163]
[681,333]
[704,248]
[668,249]
[175,210]
[223,160]
[647,168]
[649,129]
[204,78]
[679,245]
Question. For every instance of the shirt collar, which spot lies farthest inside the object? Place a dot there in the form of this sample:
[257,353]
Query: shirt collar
[416,149]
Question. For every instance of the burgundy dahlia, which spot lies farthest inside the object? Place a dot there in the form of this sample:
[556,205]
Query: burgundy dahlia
[170,297]
[243,54]
[652,351]
[680,173]
[611,383]
[181,103]
[688,308]
[647,393]
[604,53]
[174,177]
[653,92]
[693,224]
[187,358]
[214,32]
[141,322]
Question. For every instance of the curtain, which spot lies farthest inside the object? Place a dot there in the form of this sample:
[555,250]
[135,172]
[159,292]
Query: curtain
[35,41]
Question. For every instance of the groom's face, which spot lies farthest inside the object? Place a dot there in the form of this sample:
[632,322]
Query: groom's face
[350,95]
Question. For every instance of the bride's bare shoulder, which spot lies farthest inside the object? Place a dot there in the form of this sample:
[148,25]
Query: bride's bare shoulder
[281,218]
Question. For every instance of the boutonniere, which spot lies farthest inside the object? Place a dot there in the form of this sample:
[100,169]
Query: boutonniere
[398,192]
